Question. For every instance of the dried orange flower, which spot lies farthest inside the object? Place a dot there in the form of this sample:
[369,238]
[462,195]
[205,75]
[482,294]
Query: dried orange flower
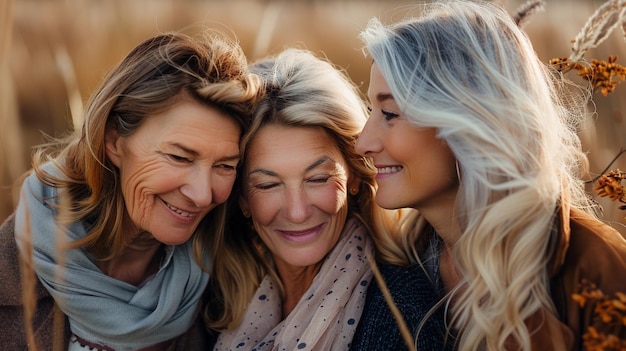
[610,185]
[606,333]
[601,74]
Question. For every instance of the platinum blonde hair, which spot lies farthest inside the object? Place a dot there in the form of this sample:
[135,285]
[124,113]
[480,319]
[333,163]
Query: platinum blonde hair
[466,69]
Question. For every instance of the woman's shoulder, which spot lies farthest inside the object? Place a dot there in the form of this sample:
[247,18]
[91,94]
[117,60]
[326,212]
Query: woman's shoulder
[11,293]
[596,244]
[410,287]
[414,296]
[590,275]
[595,253]
[404,276]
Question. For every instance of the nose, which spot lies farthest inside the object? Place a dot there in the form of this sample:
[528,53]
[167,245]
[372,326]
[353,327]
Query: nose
[368,141]
[198,188]
[298,205]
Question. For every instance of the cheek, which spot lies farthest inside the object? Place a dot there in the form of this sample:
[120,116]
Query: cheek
[138,183]
[399,150]
[330,199]
[264,207]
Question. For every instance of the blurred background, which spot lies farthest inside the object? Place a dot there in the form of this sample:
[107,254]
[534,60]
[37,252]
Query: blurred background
[53,53]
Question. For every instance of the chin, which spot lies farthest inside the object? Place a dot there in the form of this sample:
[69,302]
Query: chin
[174,241]
[387,204]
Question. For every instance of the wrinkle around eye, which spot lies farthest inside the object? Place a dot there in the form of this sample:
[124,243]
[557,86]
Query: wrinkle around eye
[176,158]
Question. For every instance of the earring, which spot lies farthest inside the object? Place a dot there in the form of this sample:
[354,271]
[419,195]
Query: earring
[354,190]
[246,213]
[458,171]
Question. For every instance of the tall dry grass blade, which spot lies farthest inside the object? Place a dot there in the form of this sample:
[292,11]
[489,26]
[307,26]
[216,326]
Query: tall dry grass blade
[597,28]
[68,73]
[6,29]
[266,28]
[29,283]
[526,10]
[11,147]
[58,325]
[624,25]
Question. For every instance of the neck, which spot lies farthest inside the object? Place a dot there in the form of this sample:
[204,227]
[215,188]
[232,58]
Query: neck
[442,217]
[296,281]
[138,261]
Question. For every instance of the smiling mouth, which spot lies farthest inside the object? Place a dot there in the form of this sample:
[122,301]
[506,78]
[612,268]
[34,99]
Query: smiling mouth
[302,235]
[389,170]
[179,211]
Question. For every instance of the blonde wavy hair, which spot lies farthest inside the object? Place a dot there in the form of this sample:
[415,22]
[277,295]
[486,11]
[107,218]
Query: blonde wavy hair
[301,90]
[466,69]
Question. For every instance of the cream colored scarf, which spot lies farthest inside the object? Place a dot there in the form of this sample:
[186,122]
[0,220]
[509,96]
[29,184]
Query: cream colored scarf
[327,315]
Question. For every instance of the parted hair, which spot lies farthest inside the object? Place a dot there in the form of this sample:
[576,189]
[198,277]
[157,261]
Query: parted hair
[301,90]
[466,69]
[210,69]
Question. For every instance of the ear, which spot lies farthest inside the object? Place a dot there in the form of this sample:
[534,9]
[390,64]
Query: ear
[112,145]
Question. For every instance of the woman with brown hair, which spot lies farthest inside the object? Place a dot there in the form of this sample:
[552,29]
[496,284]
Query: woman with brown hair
[115,225]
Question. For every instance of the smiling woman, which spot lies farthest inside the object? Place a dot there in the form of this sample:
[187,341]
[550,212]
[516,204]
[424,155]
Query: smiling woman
[114,224]
[197,147]
[474,135]
[292,269]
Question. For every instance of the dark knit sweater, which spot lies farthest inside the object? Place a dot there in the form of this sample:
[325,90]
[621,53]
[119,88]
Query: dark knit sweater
[414,295]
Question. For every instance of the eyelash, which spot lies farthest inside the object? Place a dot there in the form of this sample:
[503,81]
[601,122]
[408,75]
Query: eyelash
[389,115]
[319,179]
[227,167]
[267,186]
[177,158]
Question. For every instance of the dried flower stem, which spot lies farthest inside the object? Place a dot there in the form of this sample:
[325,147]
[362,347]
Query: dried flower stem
[621,152]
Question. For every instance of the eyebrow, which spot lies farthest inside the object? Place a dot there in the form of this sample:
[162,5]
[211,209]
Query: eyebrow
[384,96]
[194,153]
[313,165]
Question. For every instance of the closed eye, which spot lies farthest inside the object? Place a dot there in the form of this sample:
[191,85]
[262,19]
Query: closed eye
[319,179]
[389,115]
[266,186]
[226,166]
[178,158]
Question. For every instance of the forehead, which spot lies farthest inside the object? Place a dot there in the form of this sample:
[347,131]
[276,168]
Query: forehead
[378,90]
[278,145]
[189,125]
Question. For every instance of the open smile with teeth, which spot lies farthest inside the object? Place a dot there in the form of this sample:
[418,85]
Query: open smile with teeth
[179,211]
[388,170]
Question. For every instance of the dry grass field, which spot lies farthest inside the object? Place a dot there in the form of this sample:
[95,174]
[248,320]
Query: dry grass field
[54,52]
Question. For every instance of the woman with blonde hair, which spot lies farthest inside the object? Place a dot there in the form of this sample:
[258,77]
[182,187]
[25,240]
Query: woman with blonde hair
[467,128]
[115,224]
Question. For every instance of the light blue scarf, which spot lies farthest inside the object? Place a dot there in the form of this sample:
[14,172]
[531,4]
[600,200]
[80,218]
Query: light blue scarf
[102,309]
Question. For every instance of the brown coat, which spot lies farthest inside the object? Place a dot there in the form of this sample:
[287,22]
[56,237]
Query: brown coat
[12,331]
[586,249]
